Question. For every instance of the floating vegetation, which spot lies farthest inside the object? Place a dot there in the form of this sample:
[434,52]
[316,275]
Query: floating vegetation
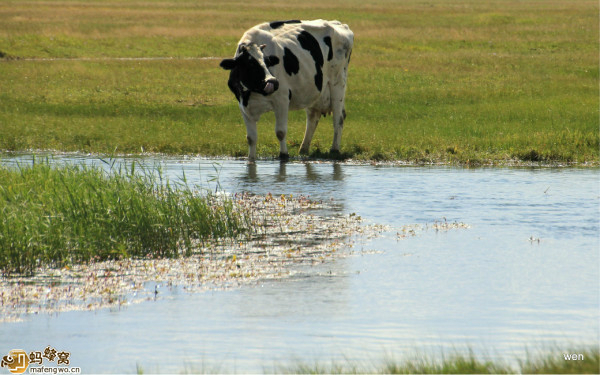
[443,225]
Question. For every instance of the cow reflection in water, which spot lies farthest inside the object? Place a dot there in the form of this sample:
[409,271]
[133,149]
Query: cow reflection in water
[312,174]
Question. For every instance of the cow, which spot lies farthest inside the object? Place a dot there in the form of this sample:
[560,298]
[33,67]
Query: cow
[291,65]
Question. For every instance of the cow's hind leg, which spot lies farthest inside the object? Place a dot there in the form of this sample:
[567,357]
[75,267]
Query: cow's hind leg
[339,115]
[312,120]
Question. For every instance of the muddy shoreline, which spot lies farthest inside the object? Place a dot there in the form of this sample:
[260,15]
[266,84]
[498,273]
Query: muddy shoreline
[486,163]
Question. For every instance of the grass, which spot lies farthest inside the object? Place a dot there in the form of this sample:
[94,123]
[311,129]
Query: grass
[462,82]
[457,363]
[56,216]
[462,364]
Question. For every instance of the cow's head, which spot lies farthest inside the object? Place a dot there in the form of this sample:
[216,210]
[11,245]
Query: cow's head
[249,71]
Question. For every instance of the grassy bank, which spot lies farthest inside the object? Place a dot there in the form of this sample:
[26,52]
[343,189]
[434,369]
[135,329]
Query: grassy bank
[457,82]
[463,364]
[554,363]
[59,216]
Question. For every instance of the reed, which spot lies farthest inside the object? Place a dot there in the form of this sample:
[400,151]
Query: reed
[458,363]
[56,216]
[454,363]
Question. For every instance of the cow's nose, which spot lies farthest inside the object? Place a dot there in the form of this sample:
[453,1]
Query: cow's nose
[271,86]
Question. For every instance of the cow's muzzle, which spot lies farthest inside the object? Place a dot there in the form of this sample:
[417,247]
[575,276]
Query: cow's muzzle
[271,86]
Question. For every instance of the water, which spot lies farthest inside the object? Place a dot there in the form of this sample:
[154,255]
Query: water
[523,277]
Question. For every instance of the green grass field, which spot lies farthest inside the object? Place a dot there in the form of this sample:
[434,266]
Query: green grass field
[462,82]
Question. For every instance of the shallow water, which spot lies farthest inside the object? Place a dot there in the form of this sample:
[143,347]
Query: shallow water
[524,276]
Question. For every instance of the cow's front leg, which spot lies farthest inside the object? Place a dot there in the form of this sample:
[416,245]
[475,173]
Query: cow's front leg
[252,137]
[281,120]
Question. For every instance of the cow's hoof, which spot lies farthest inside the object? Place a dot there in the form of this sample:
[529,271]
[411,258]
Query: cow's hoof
[284,157]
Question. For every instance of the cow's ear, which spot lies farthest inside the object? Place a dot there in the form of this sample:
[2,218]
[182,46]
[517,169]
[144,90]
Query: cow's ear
[271,60]
[228,64]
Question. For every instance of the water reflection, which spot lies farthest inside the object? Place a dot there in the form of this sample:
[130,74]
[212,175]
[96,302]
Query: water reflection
[251,175]
[313,174]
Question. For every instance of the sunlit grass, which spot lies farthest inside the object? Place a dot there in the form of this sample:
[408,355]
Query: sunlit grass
[455,82]
[456,363]
[57,216]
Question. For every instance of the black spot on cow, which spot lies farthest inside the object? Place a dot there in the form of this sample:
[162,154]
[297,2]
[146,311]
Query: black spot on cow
[239,92]
[327,41]
[245,98]
[271,61]
[290,62]
[235,85]
[278,24]
[308,42]
[319,79]
[280,135]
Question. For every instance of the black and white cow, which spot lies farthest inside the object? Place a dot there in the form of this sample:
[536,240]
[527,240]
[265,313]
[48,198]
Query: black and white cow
[291,65]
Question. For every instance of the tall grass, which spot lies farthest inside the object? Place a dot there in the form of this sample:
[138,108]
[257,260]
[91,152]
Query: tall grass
[71,214]
[458,363]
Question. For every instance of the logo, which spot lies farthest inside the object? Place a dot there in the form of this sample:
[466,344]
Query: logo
[17,361]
